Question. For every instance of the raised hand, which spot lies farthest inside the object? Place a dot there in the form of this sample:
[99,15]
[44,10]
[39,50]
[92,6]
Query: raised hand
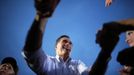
[46,7]
[108,3]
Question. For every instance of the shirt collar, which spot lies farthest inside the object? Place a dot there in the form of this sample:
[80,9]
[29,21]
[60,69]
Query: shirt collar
[61,60]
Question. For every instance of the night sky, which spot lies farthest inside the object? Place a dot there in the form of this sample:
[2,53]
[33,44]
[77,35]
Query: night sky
[80,19]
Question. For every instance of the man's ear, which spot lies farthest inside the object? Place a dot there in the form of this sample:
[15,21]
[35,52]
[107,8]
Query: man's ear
[55,47]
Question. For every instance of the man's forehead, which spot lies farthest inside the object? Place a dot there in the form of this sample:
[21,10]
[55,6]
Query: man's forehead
[6,64]
[65,38]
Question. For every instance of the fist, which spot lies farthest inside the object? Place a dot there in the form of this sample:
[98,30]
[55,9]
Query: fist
[107,39]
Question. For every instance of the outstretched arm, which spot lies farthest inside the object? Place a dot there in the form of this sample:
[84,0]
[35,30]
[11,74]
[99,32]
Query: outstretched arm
[107,41]
[44,10]
[35,34]
[32,53]
[127,21]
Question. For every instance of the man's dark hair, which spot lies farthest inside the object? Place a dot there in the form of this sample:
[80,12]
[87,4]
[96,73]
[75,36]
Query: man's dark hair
[11,61]
[66,36]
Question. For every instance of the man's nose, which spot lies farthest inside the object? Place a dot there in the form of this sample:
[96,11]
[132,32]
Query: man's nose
[68,44]
[127,38]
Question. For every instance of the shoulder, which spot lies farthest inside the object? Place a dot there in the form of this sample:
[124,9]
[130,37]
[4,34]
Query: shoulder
[82,68]
[51,58]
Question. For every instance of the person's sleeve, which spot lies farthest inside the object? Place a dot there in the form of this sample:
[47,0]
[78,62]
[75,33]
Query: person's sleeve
[35,60]
[126,21]
[100,65]
[82,68]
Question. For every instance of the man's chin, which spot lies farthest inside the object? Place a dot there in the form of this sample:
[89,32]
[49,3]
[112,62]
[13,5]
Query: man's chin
[131,45]
[2,73]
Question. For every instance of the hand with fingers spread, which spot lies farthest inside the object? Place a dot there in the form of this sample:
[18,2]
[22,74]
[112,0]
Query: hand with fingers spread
[108,3]
[46,7]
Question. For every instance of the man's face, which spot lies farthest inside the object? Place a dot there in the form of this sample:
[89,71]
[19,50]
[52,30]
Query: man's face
[130,38]
[6,69]
[64,47]
[126,70]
